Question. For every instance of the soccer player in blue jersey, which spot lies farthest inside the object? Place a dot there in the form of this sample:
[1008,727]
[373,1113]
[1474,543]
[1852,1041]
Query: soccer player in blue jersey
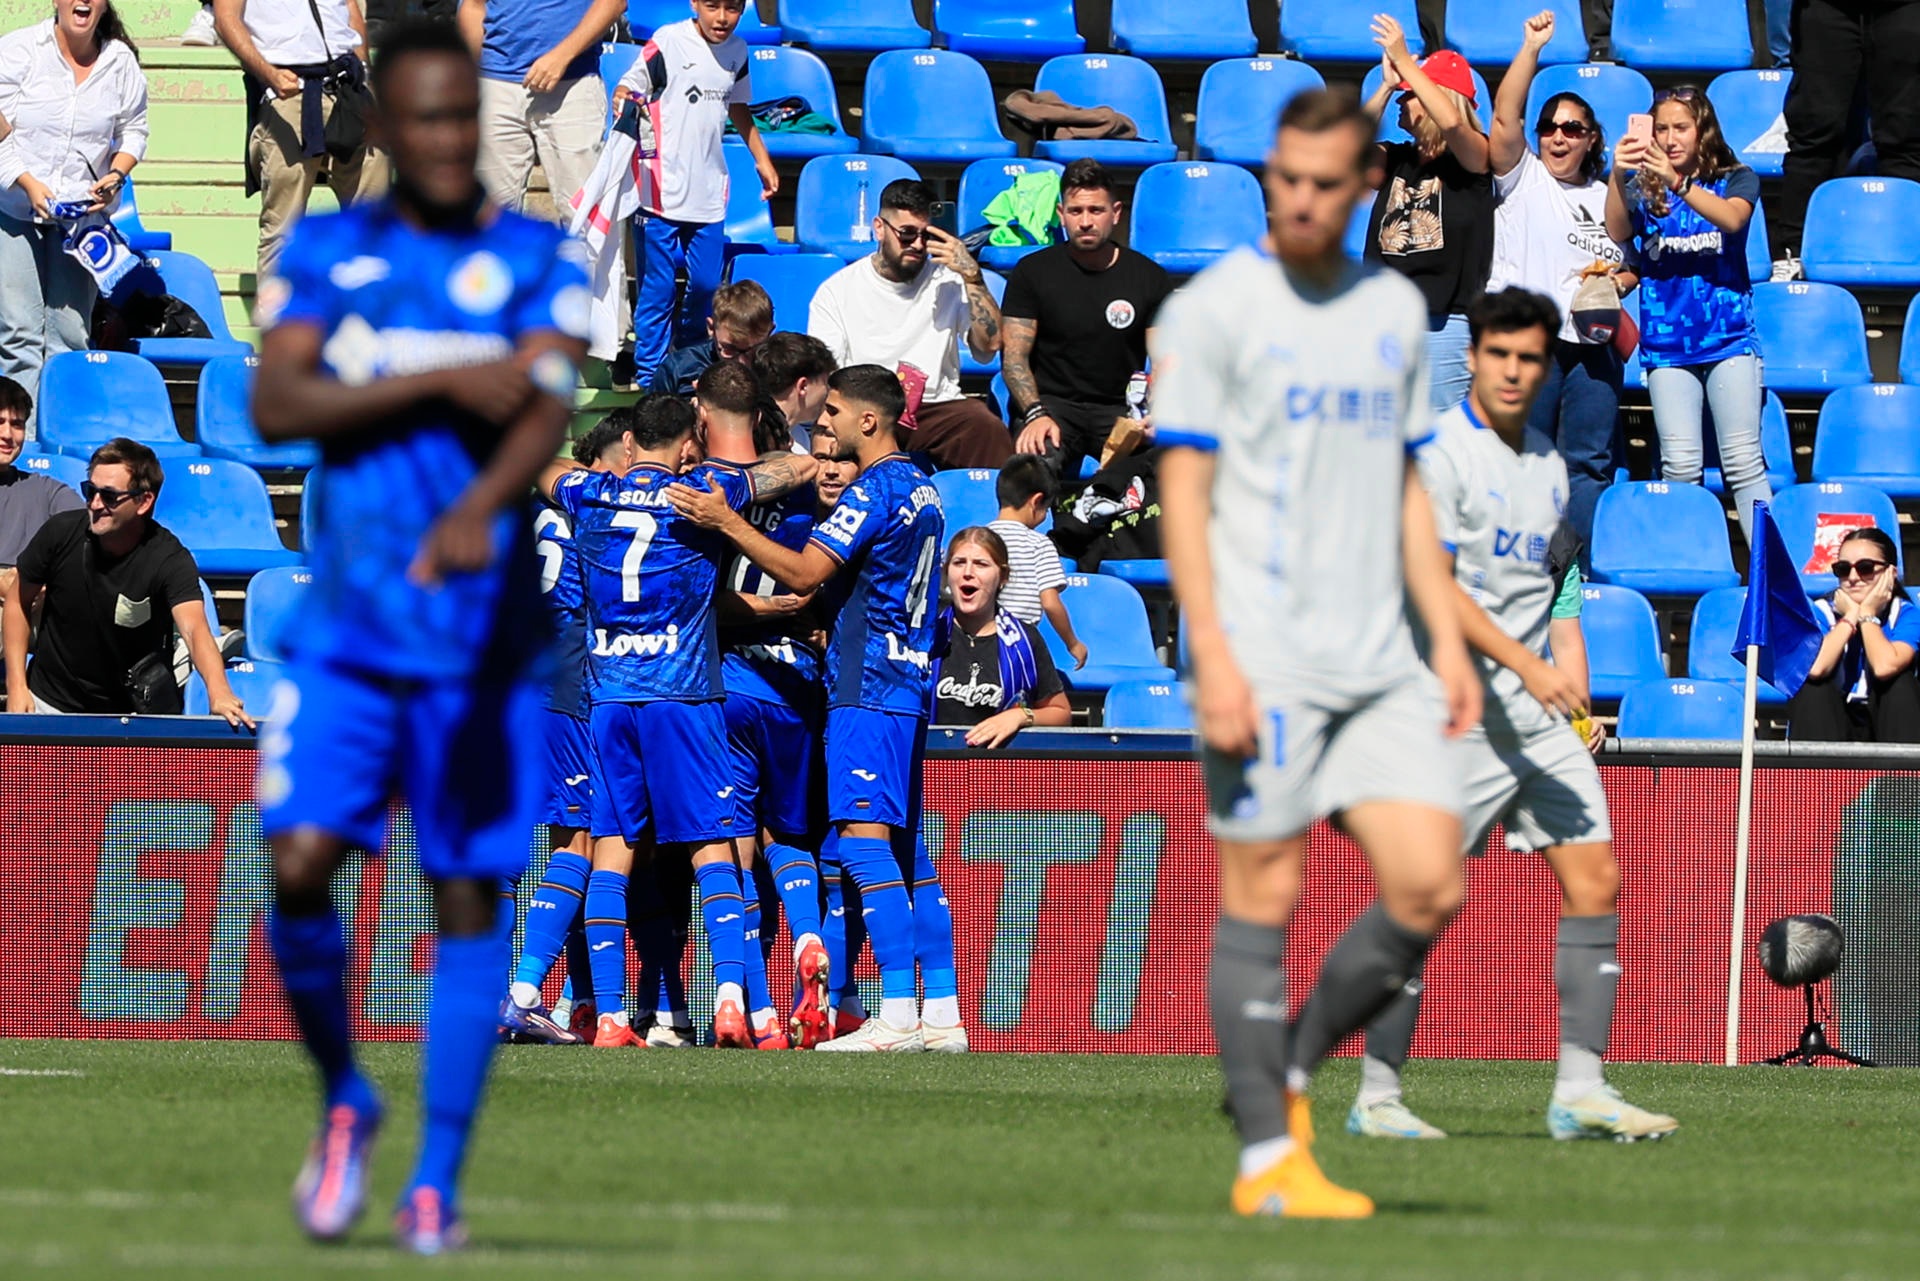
[877,555]
[429,343]
[662,773]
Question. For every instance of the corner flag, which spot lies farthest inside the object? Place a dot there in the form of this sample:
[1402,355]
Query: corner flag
[1778,621]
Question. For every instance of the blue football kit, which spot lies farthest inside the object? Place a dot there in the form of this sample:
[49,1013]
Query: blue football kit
[569,789]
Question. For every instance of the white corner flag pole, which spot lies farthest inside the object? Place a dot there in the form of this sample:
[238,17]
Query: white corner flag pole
[1743,831]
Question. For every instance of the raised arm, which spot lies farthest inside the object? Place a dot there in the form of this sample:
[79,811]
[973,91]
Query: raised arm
[1460,129]
[1619,218]
[983,313]
[1509,138]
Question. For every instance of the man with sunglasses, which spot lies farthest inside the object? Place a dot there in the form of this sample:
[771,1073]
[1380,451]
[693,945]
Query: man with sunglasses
[112,586]
[907,304]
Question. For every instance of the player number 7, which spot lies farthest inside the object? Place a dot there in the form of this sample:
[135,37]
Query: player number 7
[643,527]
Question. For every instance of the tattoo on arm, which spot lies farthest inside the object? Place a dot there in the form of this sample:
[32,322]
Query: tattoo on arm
[1016,350]
[984,317]
[776,477]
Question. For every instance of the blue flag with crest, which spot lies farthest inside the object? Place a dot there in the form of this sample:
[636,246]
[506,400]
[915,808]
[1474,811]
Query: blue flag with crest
[1778,618]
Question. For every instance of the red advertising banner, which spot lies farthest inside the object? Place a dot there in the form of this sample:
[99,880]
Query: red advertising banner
[136,883]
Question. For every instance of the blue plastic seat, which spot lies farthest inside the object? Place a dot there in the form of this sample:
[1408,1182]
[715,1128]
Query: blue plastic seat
[309,504]
[65,468]
[1871,436]
[1111,621]
[1138,704]
[1002,398]
[1860,231]
[1623,640]
[931,106]
[1337,31]
[1910,344]
[192,282]
[838,199]
[1144,572]
[1166,29]
[1355,241]
[1390,130]
[273,604]
[980,182]
[140,238]
[1488,31]
[1661,538]
[644,17]
[1803,512]
[782,72]
[615,61]
[1240,103]
[1813,337]
[89,397]
[790,280]
[223,418]
[971,365]
[1689,708]
[1749,104]
[252,680]
[1008,30]
[1759,247]
[221,510]
[1129,86]
[1682,35]
[1716,621]
[858,26]
[968,496]
[1613,92]
[1185,215]
[749,218]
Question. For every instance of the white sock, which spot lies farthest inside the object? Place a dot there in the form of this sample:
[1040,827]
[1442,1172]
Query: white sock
[1298,1080]
[941,1011]
[1379,1082]
[1256,1157]
[621,1019]
[730,992]
[526,996]
[900,1012]
[1578,1074]
[800,945]
[562,1011]
[764,1021]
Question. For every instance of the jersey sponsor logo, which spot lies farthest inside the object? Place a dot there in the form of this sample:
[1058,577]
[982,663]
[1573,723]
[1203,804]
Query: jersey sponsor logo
[1375,408]
[1518,544]
[480,283]
[608,644]
[844,523]
[1701,242]
[900,653]
[359,272]
[1120,313]
[358,353]
[779,652]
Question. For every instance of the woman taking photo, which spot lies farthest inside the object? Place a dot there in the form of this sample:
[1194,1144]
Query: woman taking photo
[1550,237]
[73,93]
[1861,687]
[1433,219]
[1686,203]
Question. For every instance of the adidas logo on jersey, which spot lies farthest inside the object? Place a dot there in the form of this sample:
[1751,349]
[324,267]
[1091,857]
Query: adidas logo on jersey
[636,644]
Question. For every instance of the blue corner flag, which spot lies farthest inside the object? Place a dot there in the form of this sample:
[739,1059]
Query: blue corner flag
[1777,617]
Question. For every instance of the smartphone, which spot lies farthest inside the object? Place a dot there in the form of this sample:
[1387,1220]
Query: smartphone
[1640,125]
[946,216]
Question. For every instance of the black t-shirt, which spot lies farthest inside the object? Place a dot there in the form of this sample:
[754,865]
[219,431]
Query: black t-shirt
[1433,224]
[969,690]
[1091,325]
[102,614]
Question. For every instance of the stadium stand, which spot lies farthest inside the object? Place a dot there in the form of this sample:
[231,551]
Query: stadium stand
[1129,86]
[790,280]
[1336,31]
[140,238]
[1009,30]
[1759,247]
[1390,130]
[1240,101]
[1808,515]
[1716,621]
[1682,709]
[1623,640]
[252,681]
[221,510]
[273,597]
[971,366]
[1166,29]
[1002,398]
[615,61]
[1661,539]
[967,496]
[780,71]
[1111,620]
[192,282]
[89,397]
[309,501]
[1813,337]
[644,17]
[1871,436]
[1141,573]
[1488,31]
[1860,231]
[853,26]
[749,218]
[1776,446]
[980,182]
[837,200]
[1355,241]
[1186,215]
[1138,704]
[65,468]
[930,106]
[1682,35]
[1910,345]
[1749,104]
[1613,92]
[223,418]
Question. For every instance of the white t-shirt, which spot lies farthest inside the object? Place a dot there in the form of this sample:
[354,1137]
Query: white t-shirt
[1033,565]
[284,32]
[685,180]
[1546,232]
[866,319]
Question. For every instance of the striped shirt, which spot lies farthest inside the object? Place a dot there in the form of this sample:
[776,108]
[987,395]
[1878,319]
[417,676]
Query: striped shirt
[1033,566]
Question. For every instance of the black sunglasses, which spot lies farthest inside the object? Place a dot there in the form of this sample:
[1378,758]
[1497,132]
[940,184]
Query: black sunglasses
[909,236]
[1571,128]
[1845,569]
[111,497]
[1679,93]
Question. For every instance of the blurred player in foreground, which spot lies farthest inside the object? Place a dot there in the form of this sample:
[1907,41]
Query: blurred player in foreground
[1290,386]
[429,342]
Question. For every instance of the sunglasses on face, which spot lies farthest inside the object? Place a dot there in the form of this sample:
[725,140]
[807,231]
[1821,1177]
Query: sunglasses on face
[1575,129]
[1845,569]
[909,235]
[110,498]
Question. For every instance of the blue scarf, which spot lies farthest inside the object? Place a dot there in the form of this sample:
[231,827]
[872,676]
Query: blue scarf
[1019,672]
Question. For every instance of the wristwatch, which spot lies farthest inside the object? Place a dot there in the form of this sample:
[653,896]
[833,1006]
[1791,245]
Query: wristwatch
[1686,185]
[1028,713]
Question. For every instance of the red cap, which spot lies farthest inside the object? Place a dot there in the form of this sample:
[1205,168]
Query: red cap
[1449,70]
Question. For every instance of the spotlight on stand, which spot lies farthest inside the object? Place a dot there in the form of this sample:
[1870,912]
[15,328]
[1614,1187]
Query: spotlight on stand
[1800,951]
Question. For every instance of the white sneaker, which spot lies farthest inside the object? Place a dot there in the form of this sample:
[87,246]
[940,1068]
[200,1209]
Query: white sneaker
[1786,269]
[1603,1114]
[200,32]
[943,1040]
[672,1036]
[876,1035]
[1389,1119]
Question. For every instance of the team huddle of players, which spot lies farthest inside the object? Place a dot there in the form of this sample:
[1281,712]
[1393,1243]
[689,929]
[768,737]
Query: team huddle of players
[712,722]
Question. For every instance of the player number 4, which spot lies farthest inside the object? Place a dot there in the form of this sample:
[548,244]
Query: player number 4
[921,586]
[643,527]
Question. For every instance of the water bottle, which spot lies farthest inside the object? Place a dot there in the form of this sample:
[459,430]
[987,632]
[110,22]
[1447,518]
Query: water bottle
[863,221]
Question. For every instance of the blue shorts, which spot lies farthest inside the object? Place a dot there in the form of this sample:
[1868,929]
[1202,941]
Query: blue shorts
[775,759]
[665,763]
[569,797]
[465,754]
[873,766]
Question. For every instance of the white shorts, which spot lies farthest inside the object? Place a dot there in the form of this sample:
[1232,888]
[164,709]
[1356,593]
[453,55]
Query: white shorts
[1315,761]
[1543,785]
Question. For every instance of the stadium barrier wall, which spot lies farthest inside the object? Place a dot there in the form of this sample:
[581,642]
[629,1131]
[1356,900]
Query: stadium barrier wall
[1082,882]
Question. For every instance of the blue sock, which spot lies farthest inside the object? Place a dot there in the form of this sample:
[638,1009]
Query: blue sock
[932,927]
[886,909]
[722,908]
[551,913]
[607,940]
[311,952]
[833,918]
[798,883]
[579,959]
[461,1034]
[754,961]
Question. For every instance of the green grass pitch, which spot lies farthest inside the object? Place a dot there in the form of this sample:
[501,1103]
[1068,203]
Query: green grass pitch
[151,1159]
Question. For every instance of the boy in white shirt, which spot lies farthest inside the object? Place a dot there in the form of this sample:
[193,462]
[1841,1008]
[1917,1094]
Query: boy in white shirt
[1026,491]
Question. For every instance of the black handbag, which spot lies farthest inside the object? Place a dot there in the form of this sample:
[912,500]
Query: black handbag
[345,132]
